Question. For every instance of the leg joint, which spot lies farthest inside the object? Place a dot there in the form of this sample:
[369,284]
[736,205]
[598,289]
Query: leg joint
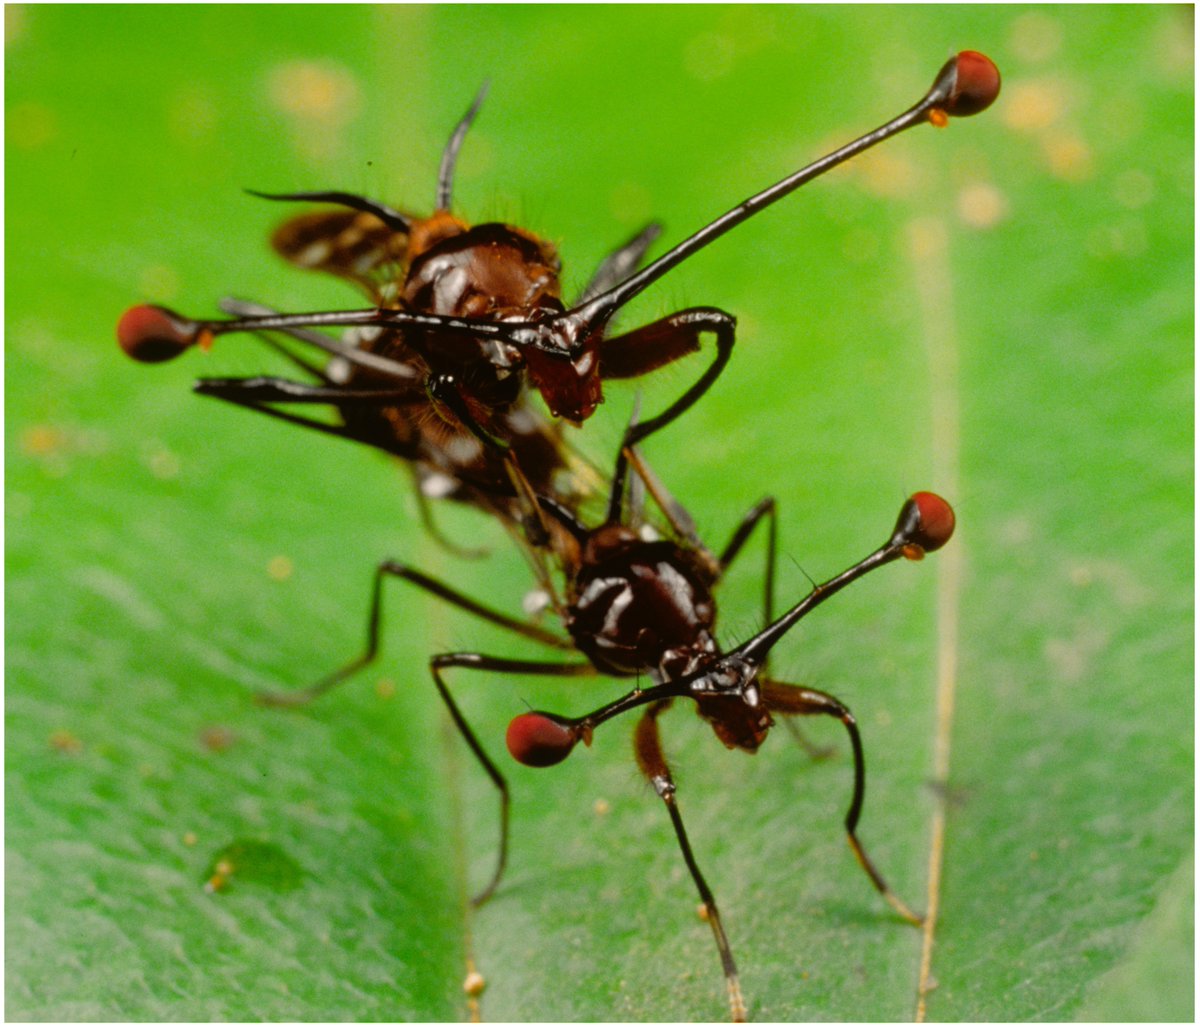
[664,786]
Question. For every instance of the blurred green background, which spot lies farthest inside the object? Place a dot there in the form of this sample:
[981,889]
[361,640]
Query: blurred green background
[1001,311]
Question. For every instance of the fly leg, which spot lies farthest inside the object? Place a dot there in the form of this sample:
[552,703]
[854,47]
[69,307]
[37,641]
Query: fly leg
[653,765]
[390,568]
[478,661]
[259,392]
[796,700]
[764,508]
[651,346]
[444,389]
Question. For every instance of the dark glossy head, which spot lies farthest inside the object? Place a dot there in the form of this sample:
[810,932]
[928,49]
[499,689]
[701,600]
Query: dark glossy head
[569,381]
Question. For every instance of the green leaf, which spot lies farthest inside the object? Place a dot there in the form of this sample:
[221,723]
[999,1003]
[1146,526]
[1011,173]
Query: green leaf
[1000,311]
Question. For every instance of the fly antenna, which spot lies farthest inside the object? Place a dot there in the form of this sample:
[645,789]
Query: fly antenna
[450,154]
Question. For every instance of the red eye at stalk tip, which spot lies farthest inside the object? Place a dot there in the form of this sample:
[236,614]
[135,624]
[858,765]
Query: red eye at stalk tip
[153,334]
[541,739]
[976,86]
[926,523]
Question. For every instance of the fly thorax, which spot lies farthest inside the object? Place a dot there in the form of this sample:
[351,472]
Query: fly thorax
[640,607]
[479,272]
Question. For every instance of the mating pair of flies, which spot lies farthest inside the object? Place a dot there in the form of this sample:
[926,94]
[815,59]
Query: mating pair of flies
[466,324]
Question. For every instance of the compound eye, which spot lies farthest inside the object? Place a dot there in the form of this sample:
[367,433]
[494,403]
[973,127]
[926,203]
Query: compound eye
[153,334]
[926,523]
[540,739]
[976,84]
[936,520]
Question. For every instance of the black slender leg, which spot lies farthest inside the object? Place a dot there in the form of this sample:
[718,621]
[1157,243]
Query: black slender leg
[390,568]
[425,513]
[646,348]
[258,393]
[793,699]
[478,661]
[444,389]
[283,415]
[765,507]
[653,764]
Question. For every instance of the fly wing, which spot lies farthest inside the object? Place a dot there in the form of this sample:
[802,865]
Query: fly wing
[351,244]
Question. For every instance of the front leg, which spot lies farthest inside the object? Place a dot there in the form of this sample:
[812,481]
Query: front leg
[653,764]
[270,389]
[652,346]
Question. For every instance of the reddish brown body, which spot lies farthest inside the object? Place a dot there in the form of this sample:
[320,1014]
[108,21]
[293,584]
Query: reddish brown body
[443,267]
[466,322]
[645,608]
[448,269]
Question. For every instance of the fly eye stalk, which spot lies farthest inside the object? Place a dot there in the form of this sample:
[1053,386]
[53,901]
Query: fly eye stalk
[152,334]
[541,739]
[972,83]
[925,524]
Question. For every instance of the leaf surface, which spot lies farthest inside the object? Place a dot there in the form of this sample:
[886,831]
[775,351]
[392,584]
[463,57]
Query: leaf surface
[1000,311]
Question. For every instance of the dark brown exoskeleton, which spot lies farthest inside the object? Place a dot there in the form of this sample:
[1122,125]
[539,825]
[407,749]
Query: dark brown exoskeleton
[465,317]
[467,322]
[643,608]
